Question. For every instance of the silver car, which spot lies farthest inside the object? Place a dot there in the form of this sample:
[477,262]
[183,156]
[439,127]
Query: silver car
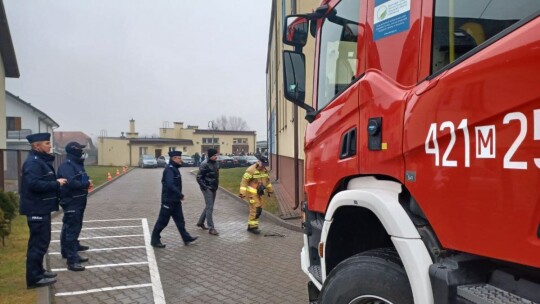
[147,161]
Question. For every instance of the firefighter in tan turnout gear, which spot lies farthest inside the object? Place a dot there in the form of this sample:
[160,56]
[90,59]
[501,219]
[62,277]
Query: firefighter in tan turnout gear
[253,185]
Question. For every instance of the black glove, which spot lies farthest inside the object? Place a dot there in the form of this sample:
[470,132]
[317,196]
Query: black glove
[204,188]
[260,190]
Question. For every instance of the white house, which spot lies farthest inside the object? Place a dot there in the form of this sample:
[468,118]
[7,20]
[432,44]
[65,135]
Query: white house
[23,119]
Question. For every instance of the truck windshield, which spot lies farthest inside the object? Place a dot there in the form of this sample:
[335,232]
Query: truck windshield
[338,49]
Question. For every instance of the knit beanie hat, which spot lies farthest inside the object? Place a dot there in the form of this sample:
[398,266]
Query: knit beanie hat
[212,152]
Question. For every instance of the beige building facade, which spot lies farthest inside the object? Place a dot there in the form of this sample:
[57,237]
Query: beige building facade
[125,150]
[286,123]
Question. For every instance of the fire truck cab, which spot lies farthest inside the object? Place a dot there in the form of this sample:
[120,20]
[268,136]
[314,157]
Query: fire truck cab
[422,167]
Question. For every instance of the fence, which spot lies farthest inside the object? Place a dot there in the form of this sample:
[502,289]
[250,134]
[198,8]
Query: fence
[11,161]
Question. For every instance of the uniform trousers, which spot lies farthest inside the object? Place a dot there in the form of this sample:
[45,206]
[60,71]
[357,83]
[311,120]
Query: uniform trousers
[167,211]
[38,244]
[255,210]
[69,237]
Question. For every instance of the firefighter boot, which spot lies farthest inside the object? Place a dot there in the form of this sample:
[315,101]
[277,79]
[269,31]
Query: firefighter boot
[254,230]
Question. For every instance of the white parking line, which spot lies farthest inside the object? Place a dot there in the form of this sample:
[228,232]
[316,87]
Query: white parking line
[103,237]
[102,228]
[111,220]
[157,289]
[74,293]
[103,266]
[106,249]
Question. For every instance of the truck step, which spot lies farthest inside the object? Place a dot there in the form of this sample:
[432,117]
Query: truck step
[489,294]
[315,270]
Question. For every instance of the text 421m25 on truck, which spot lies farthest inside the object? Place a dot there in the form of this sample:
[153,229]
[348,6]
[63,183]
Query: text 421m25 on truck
[422,167]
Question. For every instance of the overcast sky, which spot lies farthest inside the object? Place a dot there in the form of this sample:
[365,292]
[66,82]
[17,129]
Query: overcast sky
[92,65]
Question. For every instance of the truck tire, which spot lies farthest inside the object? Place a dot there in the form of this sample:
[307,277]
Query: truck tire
[375,276]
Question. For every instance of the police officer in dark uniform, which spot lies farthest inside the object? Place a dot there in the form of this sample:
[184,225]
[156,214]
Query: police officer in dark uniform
[39,197]
[171,202]
[73,199]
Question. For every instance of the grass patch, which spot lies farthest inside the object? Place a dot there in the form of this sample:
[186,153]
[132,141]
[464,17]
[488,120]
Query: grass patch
[230,180]
[13,265]
[98,174]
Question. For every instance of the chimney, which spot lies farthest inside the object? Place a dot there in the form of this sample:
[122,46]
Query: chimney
[132,133]
[132,125]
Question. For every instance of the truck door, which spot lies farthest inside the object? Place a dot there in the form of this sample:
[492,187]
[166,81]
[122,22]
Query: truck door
[472,129]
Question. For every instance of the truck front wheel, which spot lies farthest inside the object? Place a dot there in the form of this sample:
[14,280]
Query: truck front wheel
[372,277]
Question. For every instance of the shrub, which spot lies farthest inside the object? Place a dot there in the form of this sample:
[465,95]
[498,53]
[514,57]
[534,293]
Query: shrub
[14,197]
[9,208]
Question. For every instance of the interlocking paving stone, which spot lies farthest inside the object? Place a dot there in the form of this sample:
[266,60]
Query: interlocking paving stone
[235,267]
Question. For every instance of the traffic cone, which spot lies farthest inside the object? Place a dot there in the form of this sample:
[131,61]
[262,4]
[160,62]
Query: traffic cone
[124,169]
[117,172]
[109,177]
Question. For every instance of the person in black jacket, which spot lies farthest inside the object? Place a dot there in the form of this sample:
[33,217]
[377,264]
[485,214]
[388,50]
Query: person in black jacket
[73,199]
[171,202]
[39,197]
[208,179]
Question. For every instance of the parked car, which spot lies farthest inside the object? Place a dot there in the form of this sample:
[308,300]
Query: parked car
[241,160]
[251,159]
[225,161]
[147,161]
[163,161]
[188,161]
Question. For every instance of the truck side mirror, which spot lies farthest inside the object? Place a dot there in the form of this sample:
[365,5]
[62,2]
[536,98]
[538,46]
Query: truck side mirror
[294,80]
[296,31]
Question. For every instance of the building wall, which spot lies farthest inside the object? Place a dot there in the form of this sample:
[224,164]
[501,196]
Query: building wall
[2,105]
[114,152]
[29,120]
[224,145]
[280,112]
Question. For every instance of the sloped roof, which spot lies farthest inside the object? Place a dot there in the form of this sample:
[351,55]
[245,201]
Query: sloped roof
[6,46]
[45,117]
[62,138]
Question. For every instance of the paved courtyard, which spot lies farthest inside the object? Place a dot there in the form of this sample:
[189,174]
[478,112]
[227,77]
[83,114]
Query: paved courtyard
[235,267]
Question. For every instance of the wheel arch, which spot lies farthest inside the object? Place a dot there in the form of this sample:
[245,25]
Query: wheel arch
[372,203]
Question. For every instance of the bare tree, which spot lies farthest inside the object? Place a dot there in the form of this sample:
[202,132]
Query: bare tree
[221,123]
[231,123]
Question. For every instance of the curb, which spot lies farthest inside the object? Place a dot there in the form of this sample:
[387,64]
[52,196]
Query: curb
[275,219]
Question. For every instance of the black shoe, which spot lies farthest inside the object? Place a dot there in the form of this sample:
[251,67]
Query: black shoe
[76,267]
[49,274]
[254,230]
[83,248]
[203,227]
[83,259]
[193,239]
[158,245]
[42,282]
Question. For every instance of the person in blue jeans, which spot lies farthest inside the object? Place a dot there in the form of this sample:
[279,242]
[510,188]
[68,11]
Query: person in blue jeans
[171,202]
[39,197]
[73,198]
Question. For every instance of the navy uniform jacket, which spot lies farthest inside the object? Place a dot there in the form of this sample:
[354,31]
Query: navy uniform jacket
[73,195]
[171,182]
[39,188]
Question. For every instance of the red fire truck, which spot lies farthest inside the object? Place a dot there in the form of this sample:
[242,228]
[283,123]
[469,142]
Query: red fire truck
[422,166]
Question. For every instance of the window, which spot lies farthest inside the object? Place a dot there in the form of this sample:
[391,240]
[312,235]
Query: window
[461,25]
[239,140]
[337,60]
[209,140]
[143,150]
[13,123]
